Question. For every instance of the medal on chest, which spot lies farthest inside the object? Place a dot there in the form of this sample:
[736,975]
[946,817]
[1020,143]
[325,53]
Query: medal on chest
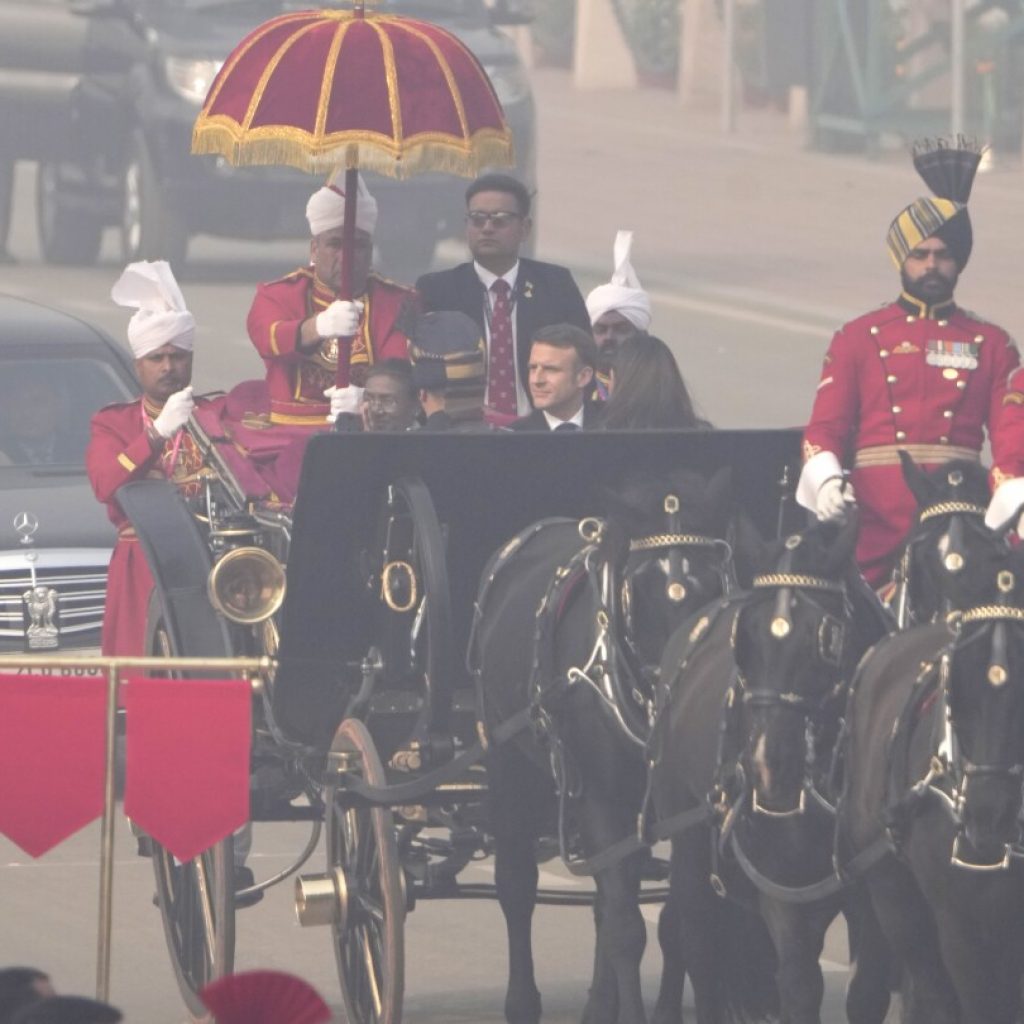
[956,355]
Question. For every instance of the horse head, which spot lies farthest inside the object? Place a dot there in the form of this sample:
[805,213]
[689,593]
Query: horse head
[949,551]
[982,676]
[666,538]
[791,651]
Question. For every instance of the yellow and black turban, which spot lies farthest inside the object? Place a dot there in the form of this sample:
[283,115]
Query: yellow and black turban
[948,169]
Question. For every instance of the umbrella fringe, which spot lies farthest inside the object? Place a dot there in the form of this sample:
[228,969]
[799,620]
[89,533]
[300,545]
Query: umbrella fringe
[486,149]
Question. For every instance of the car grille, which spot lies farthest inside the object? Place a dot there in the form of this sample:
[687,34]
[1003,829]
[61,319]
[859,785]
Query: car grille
[80,581]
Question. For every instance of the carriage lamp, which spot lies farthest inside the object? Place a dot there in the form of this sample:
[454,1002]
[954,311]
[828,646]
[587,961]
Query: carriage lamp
[247,585]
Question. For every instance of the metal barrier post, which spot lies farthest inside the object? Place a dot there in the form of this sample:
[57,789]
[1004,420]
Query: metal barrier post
[957,58]
[106,913]
[729,68]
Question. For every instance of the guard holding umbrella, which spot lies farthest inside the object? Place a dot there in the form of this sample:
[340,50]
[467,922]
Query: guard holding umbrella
[296,321]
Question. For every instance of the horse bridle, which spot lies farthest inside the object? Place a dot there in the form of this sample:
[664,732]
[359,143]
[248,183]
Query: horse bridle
[830,647]
[953,561]
[950,763]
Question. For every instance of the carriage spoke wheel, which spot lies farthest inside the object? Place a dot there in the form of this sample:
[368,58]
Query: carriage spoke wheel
[196,898]
[368,933]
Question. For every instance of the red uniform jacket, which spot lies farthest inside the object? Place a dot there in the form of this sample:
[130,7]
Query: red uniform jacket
[297,381]
[927,380]
[119,451]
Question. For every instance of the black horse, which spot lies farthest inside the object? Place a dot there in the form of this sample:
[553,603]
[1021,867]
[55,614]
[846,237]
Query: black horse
[571,623]
[934,769]
[756,690]
[933,576]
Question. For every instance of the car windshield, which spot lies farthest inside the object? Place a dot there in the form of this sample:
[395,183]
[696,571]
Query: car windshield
[46,405]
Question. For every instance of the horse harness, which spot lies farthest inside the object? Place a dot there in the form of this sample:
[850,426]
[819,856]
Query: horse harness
[953,561]
[614,669]
[949,772]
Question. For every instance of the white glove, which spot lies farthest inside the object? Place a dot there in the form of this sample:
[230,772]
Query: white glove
[175,413]
[833,496]
[343,400]
[339,320]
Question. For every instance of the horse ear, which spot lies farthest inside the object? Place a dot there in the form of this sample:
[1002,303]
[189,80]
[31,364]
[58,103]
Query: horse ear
[916,478]
[719,489]
[845,544]
[750,553]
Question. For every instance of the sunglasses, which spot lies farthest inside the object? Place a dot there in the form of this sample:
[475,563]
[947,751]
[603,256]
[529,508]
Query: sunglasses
[500,218]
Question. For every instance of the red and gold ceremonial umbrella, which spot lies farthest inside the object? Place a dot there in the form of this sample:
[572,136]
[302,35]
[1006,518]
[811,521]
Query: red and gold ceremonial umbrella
[324,89]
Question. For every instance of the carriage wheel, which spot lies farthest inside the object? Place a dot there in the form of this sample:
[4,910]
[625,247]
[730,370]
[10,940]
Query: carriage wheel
[368,933]
[196,898]
[409,524]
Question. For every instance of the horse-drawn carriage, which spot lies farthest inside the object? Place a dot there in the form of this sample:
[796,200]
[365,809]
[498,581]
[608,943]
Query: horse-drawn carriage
[364,596]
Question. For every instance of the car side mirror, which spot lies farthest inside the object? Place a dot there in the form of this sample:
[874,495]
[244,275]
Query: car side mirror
[511,12]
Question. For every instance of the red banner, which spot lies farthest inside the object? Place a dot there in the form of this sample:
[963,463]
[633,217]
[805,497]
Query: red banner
[52,757]
[187,760]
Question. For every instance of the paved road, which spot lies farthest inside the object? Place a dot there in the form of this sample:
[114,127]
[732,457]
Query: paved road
[753,251]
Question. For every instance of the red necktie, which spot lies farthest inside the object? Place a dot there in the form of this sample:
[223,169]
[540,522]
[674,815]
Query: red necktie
[501,374]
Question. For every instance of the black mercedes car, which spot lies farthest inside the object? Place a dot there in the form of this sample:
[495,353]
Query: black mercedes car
[103,94]
[55,538]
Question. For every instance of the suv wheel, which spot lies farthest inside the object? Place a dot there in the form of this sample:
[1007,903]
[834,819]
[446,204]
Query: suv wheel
[67,235]
[150,227]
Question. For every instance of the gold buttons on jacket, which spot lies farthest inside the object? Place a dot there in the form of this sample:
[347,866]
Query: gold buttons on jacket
[891,379]
[884,353]
[948,413]
[949,373]
[979,338]
[961,384]
[943,323]
[910,319]
[901,435]
[874,330]
[897,409]
[943,440]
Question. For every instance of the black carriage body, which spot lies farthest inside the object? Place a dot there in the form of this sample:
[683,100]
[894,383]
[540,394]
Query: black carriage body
[485,488]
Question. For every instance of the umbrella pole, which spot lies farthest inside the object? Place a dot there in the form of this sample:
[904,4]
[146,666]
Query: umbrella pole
[348,238]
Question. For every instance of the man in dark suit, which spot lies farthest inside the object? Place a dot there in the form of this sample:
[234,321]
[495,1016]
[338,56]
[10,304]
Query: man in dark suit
[509,297]
[561,370]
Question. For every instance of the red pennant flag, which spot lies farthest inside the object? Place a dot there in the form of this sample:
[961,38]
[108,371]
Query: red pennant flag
[187,760]
[52,757]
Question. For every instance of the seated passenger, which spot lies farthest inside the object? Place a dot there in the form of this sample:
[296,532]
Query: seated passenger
[296,322]
[561,376]
[448,368]
[388,404]
[33,420]
[647,389]
[618,310]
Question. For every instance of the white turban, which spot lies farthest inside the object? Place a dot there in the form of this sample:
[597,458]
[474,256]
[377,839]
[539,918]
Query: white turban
[162,316]
[326,206]
[623,293]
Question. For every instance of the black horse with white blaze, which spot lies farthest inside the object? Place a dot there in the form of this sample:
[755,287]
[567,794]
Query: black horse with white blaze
[571,622]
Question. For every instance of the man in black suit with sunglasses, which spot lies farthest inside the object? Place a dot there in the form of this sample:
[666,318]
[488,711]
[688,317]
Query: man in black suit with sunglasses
[508,296]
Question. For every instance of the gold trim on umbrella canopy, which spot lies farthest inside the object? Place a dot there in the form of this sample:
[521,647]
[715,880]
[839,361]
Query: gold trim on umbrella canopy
[322,89]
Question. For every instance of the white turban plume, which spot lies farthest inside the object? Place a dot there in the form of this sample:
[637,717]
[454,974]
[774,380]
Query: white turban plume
[326,206]
[162,316]
[623,293]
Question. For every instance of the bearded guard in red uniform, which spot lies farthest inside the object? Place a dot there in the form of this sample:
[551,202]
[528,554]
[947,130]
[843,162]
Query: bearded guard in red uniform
[920,375]
[295,322]
[135,440]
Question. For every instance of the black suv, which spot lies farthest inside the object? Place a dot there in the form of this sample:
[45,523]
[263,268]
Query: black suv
[103,95]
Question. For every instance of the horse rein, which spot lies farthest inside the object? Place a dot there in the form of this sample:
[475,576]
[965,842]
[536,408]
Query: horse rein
[949,762]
